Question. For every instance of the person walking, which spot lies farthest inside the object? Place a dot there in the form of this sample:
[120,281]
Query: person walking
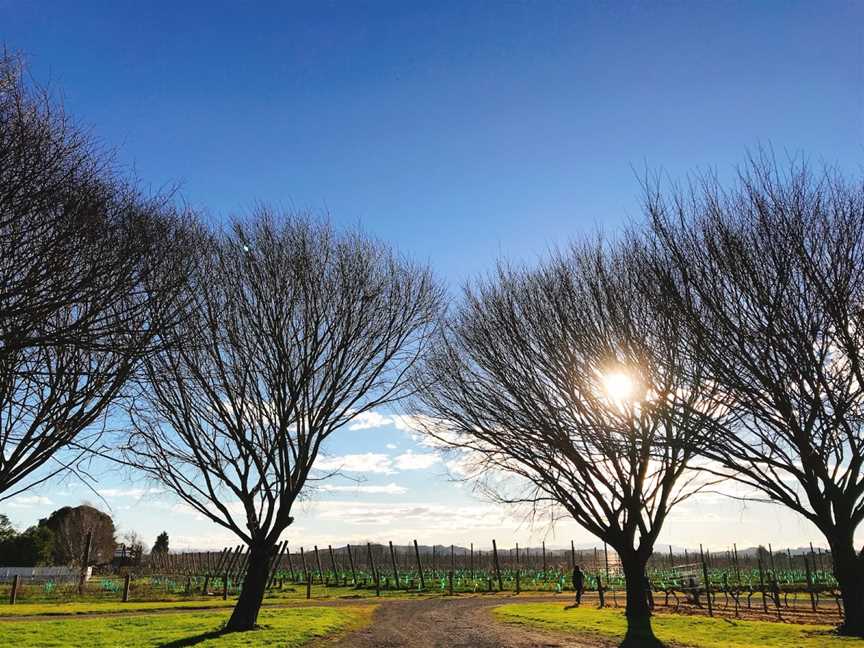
[578,583]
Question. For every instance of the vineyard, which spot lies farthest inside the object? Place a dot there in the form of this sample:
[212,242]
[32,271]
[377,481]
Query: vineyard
[761,582]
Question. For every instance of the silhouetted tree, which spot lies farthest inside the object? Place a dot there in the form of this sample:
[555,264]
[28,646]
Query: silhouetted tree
[769,277]
[292,332]
[87,266]
[564,378]
[161,544]
[71,525]
[31,548]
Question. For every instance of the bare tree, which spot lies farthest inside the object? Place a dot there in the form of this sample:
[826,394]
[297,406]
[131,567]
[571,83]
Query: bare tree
[88,270]
[770,278]
[293,331]
[566,378]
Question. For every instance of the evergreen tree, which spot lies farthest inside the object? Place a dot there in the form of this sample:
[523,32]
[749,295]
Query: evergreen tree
[161,544]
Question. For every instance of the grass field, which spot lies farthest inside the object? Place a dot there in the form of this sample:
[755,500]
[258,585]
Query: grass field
[699,632]
[274,597]
[282,627]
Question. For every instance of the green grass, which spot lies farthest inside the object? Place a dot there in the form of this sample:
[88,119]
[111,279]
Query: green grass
[699,632]
[283,627]
[102,606]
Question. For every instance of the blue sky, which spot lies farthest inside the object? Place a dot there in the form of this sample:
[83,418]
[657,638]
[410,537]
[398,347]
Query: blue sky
[460,132]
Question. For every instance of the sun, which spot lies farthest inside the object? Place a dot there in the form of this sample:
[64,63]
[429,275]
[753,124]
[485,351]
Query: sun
[619,386]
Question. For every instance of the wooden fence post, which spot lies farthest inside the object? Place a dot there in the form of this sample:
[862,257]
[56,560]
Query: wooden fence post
[308,584]
[225,587]
[450,579]
[471,562]
[419,565]
[13,595]
[126,582]
[497,566]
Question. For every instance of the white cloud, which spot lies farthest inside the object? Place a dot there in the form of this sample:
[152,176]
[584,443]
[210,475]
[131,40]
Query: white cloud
[389,489]
[411,461]
[415,515]
[29,501]
[391,446]
[369,462]
[135,493]
[369,420]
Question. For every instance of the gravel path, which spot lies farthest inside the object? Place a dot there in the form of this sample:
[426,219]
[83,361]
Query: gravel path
[450,623]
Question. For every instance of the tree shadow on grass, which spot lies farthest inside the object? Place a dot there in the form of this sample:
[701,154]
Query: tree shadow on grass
[642,642]
[196,639]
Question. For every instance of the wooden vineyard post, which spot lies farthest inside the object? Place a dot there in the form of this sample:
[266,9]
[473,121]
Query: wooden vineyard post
[762,581]
[518,587]
[303,566]
[450,580]
[737,564]
[771,556]
[452,558]
[13,595]
[351,563]
[573,564]
[126,582]
[601,592]
[543,547]
[308,584]
[497,565]
[606,558]
[419,566]
[225,587]
[671,560]
[277,558]
[290,562]
[232,559]
[393,564]
[810,583]
[707,582]
[333,564]
[375,576]
[84,562]
[244,564]
[205,589]
[318,562]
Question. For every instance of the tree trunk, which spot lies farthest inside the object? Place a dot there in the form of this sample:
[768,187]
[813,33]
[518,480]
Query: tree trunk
[245,614]
[639,631]
[849,572]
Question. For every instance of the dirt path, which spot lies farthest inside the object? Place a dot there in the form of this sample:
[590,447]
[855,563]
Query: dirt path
[450,623]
